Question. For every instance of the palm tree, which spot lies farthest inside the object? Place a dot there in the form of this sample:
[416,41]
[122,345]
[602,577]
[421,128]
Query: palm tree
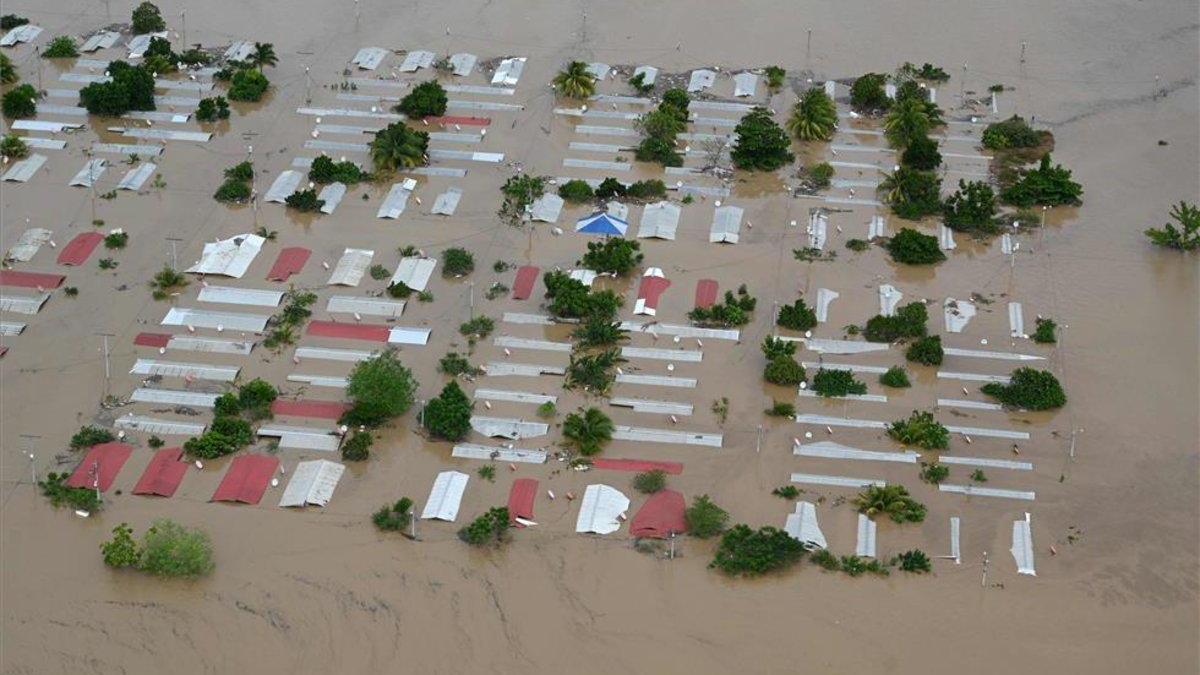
[892,500]
[398,147]
[814,117]
[575,81]
[263,55]
[588,431]
[907,120]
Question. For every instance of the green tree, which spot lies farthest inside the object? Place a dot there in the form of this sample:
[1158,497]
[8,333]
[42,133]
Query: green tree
[761,144]
[921,154]
[911,247]
[88,436]
[61,47]
[13,147]
[448,415]
[457,262]
[305,201]
[1028,389]
[971,207]
[906,121]
[704,518]
[215,108]
[614,255]
[926,351]
[489,528]
[913,561]
[575,81]
[263,55]
[895,377]
[358,447]
[784,370]
[921,430]
[814,117]
[892,500]
[867,95]
[398,147]
[8,72]
[747,552]
[1186,237]
[576,191]
[147,19]
[1047,185]
[908,322]
[393,517]
[121,550]
[1044,333]
[912,194]
[797,316]
[248,85]
[20,101]
[834,382]
[425,100]
[324,170]
[649,482]
[599,331]
[588,430]
[170,549]
[257,395]
[1013,132]
[380,389]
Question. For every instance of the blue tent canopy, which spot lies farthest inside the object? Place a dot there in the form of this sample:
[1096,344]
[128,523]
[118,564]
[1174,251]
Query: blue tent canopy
[603,224]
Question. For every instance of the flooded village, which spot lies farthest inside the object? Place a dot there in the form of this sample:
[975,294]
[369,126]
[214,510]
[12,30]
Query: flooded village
[595,337]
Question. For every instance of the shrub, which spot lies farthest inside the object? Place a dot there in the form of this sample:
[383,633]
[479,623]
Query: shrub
[425,100]
[895,377]
[913,561]
[576,191]
[172,550]
[455,364]
[1028,389]
[227,404]
[147,19]
[569,298]
[256,396]
[746,552]
[867,95]
[892,500]
[1013,132]
[380,388]
[818,176]
[304,201]
[796,316]
[8,72]
[358,448]
[399,290]
[11,21]
[325,170]
[487,472]
[908,322]
[978,476]
[971,207]
[934,473]
[61,47]
[1046,185]
[830,383]
[1044,333]
[598,331]
[734,311]
[523,189]
[20,101]
[88,436]
[912,194]
[786,492]
[488,528]
[660,150]
[927,351]
[393,517]
[155,442]
[235,429]
[704,518]
[614,255]
[457,262]
[610,187]
[116,240]
[547,410]
[107,263]
[647,189]
[212,109]
[13,147]
[588,430]
[242,172]
[911,247]
[773,348]
[858,245]
[1186,237]
[922,154]
[480,327]
[761,144]
[448,415]
[775,76]
[784,370]
[781,409]
[638,82]
[649,482]
[165,281]
[824,559]
[130,88]
[55,489]
[248,85]
[121,550]
[921,430]
[927,71]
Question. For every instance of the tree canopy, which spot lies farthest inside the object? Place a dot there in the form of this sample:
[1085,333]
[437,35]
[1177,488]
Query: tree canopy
[379,389]
[761,144]
[425,100]
[814,117]
[448,415]
[399,147]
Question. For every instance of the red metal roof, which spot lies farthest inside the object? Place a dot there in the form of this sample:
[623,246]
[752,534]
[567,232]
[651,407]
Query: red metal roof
[372,332]
[76,252]
[107,459]
[651,288]
[290,261]
[706,292]
[152,339]
[526,277]
[329,410]
[638,465]
[246,479]
[520,500]
[661,515]
[454,119]
[164,474]
[30,279]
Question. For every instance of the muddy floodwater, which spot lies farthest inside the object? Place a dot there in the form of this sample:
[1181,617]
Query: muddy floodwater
[1115,522]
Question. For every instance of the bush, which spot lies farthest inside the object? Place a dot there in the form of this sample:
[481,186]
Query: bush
[11,21]
[524,189]
[155,442]
[399,290]
[455,364]
[121,550]
[304,201]
[358,448]
[8,72]
[762,145]
[911,247]
[746,552]
[1044,333]
[576,191]
[1186,237]
[235,429]
[547,410]
[242,172]
[649,482]
[131,88]
[227,404]
[20,101]
[588,430]
[660,150]
[488,528]
[781,409]
[704,518]
[895,377]
[773,348]
[1028,389]
[922,154]
[13,147]
[734,311]
[978,476]
[570,299]
[393,517]
[212,109]
[479,328]
[867,95]
[88,436]
[934,473]
[599,331]
[824,559]
[172,550]
[892,500]
[116,240]
[55,489]
[831,383]
[147,19]
[448,415]
[61,47]
[614,255]
[908,322]
[912,194]
[927,351]
[913,561]
[165,281]
[647,189]
[325,170]
[425,100]
[786,492]
[380,388]
[1013,132]
[457,262]
[784,370]
[775,76]
[638,82]
[796,316]
[487,472]
[1046,185]
[921,430]
[819,175]
[971,207]
[858,245]
[610,187]
[257,395]
[248,85]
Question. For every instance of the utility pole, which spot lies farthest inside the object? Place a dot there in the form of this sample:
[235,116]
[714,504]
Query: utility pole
[1023,51]
[183,18]
[471,316]
[174,258]
[253,183]
[307,84]
[808,47]
[962,88]
[107,370]
[983,583]
[37,51]
[29,440]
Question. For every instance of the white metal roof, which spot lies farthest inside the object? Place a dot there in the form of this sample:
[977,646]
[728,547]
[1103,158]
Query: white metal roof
[644,434]
[972,377]
[601,509]
[22,304]
[870,398]
[28,244]
[829,420]
[643,405]
[313,483]
[332,196]
[1022,547]
[988,354]
[987,433]
[585,277]
[968,404]
[1016,320]
[198,399]
[657,380]
[163,134]
[723,106]
[101,40]
[659,354]
[11,328]
[824,298]
[446,171]
[203,318]
[417,59]
[25,33]
[946,238]
[802,526]
[649,74]
[44,125]
[331,354]
[660,220]
[447,202]
[404,335]
[598,70]
[955,539]
[507,427]
[319,380]
[700,80]
[414,272]
[726,225]
[830,346]
[258,297]
[462,63]
[52,109]
[369,58]
[988,462]
[351,267]
[157,425]
[513,396]
[546,208]
[835,481]
[396,200]
[283,186]
[200,371]
[818,225]
[471,156]
[23,170]
[655,328]
[137,176]
[745,84]
[92,170]
[509,71]
[957,314]
[188,343]
[975,491]
[139,43]
[445,496]
[865,544]
[501,368]
[349,304]
[127,149]
[229,257]
[527,319]
[240,50]
[831,450]
[302,438]
[527,343]
[487,452]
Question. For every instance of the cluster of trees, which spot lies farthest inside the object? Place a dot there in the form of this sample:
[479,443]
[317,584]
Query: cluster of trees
[833,382]
[907,322]
[399,147]
[379,389]
[427,99]
[614,255]
[733,311]
[782,367]
[147,18]
[457,262]
[922,430]
[8,72]
[1028,389]
[230,429]
[926,350]
[448,415]
[579,191]
[571,299]
[130,88]
[324,170]
[592,372]
[236,187]
[20,101]
[911,247]
[797,316]
[489,528]
[1011,133]
[246,79]
[520,191]
[61,47]
[659,128]
[892,500]
[167,549]
[305,201]
[285,325]
[762,145]
[1185,237]
[212,109]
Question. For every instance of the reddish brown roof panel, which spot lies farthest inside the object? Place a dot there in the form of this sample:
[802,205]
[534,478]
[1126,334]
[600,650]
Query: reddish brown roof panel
[706,292]
[651,288]
[164,474]
[520,500]
[372,332]
[100,466]
[30,279]
[523,286]
[661,515]
[152,339]
[290,261]
[246,480]
[76,251]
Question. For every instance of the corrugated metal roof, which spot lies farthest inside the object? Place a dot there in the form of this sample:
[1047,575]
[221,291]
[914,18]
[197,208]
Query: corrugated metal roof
[594,130]
[349,304]
[283,186]
[349,112]
[972,377]
[1022,546]
[607,148]
[835,481]
[445,171]
[829,346]
[127,149]
[396,200]
[987,354]
[319,380]
[445,496]
[818,225]
[957,314]
[240,50]
[229,257]
[660,220]
[601,509]
[332,196]
[157,425]
[643,405]
[102,40]
[22,304]
[831,450]
[1016,320]
[546,208]
[988,462]
[339,146]
[721,106]
[138,44]
[25,33]
[513,396]
[91,171]
[649,74]
[527,319]
[644,434]
[869,398]
[502,368]
[135,177]
[713,121]
[200,371]
[701,79]
[84,78]
[657,380]
[417,59]
[973,490]
[490,453]
[44,143]
[599,70]
[988,433]
[404,335]
[302,438]
[824,298]
[241,296]
[414,272]
[865,544]
[745,84]
[447,202]
[726,225]
[827,420]
[455,104]
[23,170]
[181,101]
[508,427]
[596,164]
[682,331]
[11,328]
[202,318]
[210,345]
[657,354]
[52,109]
[28,244]
[351,267]
[802,525]
[369,58]
[198,399]
[482,90]
[489,157]
[462,63]
[527,343]
[164,134]
[344,129]
[312,482]
[968,404]
[330,354]
[509,71]
[955,547]
[585,277]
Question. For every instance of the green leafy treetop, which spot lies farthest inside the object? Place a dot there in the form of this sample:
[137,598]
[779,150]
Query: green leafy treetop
[380,389]
[448,415]
[762,145]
